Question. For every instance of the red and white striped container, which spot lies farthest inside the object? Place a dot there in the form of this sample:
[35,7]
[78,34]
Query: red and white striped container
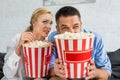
[36,61]
[75,54]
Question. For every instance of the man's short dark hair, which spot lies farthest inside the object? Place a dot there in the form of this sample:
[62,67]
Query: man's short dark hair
[67,11]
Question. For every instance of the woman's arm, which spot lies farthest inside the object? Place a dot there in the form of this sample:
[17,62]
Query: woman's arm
[11,59]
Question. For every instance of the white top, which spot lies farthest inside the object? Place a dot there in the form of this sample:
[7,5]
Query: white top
[14,66]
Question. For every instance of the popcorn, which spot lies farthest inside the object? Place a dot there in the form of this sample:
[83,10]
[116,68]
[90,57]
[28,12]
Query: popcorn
[75,51]
[37,56]
[38,44]
[80,35]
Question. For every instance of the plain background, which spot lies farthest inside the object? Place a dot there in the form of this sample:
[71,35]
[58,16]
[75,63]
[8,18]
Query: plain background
[102,17]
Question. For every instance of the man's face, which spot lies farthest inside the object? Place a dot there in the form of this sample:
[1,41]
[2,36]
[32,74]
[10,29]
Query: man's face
[69,24]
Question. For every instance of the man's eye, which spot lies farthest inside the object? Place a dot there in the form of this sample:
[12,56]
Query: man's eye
[75,27]
[64,28]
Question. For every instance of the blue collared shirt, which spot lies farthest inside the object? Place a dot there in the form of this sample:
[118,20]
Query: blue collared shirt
[99,54]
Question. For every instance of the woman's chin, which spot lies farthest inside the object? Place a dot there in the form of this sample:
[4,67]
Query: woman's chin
[45,35]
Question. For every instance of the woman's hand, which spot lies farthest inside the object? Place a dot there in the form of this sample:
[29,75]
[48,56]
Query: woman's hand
[25,37]
[59,68]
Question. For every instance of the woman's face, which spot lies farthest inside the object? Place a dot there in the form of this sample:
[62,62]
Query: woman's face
[42,26]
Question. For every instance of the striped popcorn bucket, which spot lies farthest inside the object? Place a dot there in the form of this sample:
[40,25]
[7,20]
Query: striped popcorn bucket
[75,55]
[36,61]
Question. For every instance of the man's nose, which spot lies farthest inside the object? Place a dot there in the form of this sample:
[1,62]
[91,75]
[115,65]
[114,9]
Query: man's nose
[72,30]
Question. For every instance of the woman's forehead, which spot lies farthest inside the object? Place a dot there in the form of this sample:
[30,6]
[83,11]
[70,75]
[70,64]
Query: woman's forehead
[45,16]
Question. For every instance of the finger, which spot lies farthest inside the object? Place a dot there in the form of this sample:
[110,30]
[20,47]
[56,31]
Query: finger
[91,66]
[27,37]
[58,61]
[61,73]
[92,62]
[39,79]
[90,75]
[59,68]
[31,35]
[25,40]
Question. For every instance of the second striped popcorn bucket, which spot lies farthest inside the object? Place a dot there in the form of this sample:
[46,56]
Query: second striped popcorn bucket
[36,61]
[75,54]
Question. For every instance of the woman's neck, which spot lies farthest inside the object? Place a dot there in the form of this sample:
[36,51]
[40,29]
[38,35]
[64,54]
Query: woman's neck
[39,37]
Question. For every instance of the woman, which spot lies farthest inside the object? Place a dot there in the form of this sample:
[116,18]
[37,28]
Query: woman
[40,26]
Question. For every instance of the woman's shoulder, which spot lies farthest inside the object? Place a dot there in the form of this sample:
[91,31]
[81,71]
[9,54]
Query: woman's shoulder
[16,36]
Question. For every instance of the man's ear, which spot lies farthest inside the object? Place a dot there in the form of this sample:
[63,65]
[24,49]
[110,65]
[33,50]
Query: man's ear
[57,28]
[81,24]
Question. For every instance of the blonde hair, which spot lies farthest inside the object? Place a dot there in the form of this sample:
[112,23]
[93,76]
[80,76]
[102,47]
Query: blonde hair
[35,15]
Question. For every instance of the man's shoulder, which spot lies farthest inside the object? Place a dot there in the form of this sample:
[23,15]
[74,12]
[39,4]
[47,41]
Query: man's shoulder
[97,35]
[51,36]
[53,33]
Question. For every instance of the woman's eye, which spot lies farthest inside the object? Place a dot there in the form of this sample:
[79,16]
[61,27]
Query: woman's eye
[47,22]
[51,22]
[44,22]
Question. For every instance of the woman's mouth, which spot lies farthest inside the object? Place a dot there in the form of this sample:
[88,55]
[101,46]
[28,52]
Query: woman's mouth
[46,32]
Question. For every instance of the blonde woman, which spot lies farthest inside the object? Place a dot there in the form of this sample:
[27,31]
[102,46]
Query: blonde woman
[40,26]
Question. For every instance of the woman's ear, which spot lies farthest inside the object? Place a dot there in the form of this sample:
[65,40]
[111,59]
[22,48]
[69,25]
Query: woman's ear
[33,22]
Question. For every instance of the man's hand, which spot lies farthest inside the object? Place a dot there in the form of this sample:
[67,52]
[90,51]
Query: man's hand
[95,73]
[91,71]
[59,68]
[39,79]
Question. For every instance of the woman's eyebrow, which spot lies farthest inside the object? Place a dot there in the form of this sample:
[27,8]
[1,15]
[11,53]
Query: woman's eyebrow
[45,20]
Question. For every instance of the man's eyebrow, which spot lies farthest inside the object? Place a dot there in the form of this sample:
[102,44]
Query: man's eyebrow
[63,25]
[76,24]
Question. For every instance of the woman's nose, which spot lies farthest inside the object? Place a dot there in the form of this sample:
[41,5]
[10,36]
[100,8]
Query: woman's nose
[48,25]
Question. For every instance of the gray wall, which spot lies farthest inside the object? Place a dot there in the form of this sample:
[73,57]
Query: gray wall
[102,17]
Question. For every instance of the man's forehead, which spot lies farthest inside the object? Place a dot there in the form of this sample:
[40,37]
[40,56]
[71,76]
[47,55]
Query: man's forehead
[66,23]
[69,19]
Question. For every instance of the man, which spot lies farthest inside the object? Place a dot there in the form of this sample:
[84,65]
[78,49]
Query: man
[69,19]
